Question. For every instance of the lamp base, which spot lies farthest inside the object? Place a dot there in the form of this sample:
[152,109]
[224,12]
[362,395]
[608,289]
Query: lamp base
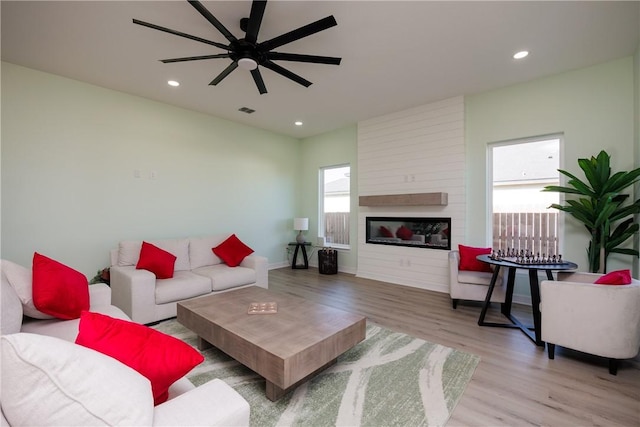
[300,238]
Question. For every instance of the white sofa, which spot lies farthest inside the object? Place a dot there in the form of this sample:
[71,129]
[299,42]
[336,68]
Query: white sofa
[198,271]
[31,347]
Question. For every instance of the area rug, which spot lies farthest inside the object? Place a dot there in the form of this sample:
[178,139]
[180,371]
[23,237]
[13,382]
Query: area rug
[389,379]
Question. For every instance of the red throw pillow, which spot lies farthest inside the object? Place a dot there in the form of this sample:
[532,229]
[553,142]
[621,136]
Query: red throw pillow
[232,251]
[385,232]
[161,358]
[58,290]
[404,233]
[618,277]
[156,260]
[468,261]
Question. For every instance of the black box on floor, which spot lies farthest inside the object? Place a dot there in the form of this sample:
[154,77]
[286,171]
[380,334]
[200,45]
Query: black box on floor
[328,261]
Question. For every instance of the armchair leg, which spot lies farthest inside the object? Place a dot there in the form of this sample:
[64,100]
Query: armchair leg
[613,366]
[454,302]
[551,350]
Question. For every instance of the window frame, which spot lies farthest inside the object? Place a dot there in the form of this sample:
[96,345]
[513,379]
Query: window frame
[489,176]
[321,197]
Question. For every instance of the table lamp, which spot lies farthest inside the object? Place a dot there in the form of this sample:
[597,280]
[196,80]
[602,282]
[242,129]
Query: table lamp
[300,225]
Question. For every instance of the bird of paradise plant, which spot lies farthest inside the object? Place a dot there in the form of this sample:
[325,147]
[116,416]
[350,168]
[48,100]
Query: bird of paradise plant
[601,206]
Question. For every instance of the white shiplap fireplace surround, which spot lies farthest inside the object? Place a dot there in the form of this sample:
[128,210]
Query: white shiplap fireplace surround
[420,150]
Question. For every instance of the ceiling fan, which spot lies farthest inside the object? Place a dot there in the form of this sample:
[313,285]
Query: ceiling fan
[246,52]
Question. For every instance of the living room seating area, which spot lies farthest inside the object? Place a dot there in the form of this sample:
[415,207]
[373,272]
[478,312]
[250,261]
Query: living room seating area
[47,376]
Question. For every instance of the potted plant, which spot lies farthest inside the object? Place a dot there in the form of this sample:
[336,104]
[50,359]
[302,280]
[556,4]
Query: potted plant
[600,206]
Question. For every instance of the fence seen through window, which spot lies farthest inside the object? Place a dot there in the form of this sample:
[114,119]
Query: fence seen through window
[521,218]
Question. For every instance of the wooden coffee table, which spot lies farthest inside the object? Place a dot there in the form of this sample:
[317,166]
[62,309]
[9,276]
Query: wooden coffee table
[286,348]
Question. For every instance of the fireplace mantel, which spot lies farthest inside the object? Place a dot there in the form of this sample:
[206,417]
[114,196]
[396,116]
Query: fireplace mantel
[415,199]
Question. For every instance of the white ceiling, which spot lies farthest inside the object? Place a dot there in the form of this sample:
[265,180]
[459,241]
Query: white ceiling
[395,55]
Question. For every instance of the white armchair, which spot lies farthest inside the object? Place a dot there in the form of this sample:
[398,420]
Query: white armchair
[473,285]
[603,320]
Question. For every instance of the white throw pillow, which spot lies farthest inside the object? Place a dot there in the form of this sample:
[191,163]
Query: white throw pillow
[201,250]
[20,279]
[48,381]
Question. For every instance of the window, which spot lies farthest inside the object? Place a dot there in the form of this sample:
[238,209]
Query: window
[335,204]
[520,170]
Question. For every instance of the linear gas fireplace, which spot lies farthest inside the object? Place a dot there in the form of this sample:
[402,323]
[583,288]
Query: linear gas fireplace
[431,233]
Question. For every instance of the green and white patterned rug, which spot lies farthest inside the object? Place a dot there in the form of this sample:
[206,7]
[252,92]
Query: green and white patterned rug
[389,379]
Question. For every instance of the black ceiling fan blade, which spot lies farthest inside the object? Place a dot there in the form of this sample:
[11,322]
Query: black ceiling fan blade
[195,58]
[212,19]
[255,19]
[278,56]
[178,33]
[286,73]
[299,33]
[257,77]
[224,73]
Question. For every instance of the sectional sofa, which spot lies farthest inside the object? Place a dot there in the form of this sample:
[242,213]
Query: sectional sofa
[47,379]
[198,271]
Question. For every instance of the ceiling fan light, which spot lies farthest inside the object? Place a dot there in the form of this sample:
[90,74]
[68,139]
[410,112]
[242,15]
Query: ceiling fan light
[247,64]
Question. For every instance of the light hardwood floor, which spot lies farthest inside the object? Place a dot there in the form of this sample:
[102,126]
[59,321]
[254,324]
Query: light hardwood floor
[515,383]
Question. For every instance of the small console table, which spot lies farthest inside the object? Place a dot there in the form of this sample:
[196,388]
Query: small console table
[535,294]
[300,246]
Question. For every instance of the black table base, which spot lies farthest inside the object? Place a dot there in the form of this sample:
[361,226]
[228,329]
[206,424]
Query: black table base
[531,331]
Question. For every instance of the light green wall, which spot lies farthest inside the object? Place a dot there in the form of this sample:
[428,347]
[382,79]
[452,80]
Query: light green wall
[593,107]
[69,152]
[331,148]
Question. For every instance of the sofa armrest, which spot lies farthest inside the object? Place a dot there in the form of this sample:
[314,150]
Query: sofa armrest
[578,276]
[99,294]
[214,403]
[134,292]
[260,265]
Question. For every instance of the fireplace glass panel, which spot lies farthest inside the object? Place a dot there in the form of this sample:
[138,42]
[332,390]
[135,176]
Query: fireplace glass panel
[431,233]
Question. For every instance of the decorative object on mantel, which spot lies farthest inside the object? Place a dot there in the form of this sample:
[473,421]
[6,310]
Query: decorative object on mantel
[601,208]
[300,225]
[414,199]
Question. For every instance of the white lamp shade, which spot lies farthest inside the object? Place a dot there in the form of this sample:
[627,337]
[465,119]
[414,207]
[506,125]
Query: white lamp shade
[301,224]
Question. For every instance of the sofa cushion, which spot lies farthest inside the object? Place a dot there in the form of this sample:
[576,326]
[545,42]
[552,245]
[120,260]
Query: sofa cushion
[59,290]
[67,329]
[10,309]
[161,358]
[468,259]
[200,250]
[20,278]
[156,260]
[183,285]
[129,252]
[475,277]
[45,378]
[224,277]
[232,251]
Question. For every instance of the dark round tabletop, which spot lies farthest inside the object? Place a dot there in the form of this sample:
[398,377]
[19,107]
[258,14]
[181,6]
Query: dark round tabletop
[564,265]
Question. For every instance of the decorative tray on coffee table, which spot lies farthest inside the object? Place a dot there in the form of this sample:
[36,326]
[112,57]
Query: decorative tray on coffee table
[263,308]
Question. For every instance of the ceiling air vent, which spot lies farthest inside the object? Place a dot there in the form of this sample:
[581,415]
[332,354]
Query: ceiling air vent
[246,110]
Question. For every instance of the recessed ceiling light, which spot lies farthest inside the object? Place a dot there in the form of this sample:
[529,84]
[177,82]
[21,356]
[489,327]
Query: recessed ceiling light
[521,54]
[298,123]
[173,83]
